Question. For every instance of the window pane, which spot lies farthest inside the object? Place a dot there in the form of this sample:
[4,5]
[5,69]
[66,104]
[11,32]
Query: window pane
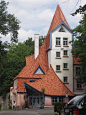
[77,70]
[57,41]
[79,85]
[65,52]
[57,67]
[65,65]
[57,54]
[65,41]
[65,79]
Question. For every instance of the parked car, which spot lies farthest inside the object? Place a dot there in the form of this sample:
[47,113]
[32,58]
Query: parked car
[76,106]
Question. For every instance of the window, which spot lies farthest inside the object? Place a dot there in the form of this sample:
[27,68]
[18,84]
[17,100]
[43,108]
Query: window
[61,30]
[54,99]
[57,54]
[79,85]
[65,41]
[57,67]
[32,80]
[57,41]
[57,99]
[77,70]
[60,99]
[65,65]
[65,52]
[65,79]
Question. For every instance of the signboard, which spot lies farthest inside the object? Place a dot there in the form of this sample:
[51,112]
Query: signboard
[66,93]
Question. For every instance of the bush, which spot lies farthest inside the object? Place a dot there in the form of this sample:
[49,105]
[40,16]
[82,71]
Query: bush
[58,106]
[0,106]
[26,104]
[10,104]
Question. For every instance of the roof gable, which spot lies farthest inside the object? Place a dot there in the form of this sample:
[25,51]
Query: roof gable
[62,23]
[39,71]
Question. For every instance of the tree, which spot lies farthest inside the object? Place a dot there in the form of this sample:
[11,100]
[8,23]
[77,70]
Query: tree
[80,10]
[79,50]
[8,22]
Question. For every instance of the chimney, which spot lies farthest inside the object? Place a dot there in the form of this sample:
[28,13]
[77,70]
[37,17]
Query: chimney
[36,47]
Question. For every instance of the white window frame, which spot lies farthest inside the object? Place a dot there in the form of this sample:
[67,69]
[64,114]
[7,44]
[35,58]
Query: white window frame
[57,55]
[66,53]
[65,42]
[58,41]
[58,69]
[64,64]
[64,79]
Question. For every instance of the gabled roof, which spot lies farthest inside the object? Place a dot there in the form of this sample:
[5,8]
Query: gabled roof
[57,19]
[53,85]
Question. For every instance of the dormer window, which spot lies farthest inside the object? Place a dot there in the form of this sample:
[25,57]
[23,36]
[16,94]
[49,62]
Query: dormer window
[61,29]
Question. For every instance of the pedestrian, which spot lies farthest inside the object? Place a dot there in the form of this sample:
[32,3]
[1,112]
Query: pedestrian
[14,105]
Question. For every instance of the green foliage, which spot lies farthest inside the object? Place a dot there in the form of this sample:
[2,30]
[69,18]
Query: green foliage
[79,50]
[0,106]
[58,106]
[43,90]
[80,10]
[26,104]
[10,104]
[8,22]
[42,102]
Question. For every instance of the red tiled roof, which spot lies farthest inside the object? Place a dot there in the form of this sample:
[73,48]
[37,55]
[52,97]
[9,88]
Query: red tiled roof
[57,19]
[53,85]
[75,61]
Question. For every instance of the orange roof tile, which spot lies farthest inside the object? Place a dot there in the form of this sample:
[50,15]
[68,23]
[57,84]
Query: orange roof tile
[53,85]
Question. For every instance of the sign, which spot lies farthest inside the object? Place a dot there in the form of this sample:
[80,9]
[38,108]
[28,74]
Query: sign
[66,93]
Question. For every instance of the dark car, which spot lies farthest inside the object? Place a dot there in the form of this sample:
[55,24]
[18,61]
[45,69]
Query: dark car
[76,106]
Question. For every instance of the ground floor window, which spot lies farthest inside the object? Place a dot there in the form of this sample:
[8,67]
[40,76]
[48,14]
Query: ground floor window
[57,99]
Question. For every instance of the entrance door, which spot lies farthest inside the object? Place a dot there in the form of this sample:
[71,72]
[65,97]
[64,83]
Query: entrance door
[35,102]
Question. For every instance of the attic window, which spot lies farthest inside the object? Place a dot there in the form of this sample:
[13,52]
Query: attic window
[61,30]
[32,80]
[39,71]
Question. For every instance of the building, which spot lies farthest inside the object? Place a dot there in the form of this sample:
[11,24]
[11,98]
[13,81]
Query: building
[50,67]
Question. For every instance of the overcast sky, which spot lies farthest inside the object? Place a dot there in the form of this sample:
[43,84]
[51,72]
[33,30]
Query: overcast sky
[36,15]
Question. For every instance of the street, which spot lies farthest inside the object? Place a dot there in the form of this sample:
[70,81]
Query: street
[28,112]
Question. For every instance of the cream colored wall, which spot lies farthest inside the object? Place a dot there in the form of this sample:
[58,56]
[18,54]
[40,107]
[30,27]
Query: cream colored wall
[60,62]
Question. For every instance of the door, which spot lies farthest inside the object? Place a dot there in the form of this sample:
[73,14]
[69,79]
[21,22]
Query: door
[36,102]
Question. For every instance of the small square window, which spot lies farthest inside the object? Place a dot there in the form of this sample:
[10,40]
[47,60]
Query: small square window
[57,67]
[65,41]
[65,65]
[65,79]
[65,52]
[57,54]
[57,41]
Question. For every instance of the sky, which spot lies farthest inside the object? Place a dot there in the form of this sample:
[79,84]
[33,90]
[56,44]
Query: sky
[36,15]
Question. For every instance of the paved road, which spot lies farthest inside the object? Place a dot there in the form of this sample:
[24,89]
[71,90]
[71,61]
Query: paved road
[29,112]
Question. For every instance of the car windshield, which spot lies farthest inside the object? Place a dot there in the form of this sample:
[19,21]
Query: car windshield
[74,100]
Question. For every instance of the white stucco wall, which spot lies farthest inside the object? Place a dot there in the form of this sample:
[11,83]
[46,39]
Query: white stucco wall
[52,56]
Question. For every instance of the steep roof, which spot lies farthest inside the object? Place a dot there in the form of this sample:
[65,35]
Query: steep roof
[57,19]
[53,85]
